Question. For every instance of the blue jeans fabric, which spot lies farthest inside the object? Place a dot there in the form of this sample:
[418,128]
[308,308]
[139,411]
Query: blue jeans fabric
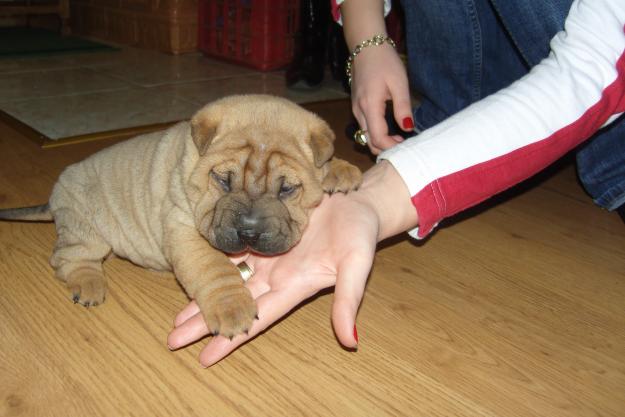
[460,51]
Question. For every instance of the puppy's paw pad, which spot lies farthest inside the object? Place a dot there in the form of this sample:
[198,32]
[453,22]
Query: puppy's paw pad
[88,290]
[230,315]
[344,177]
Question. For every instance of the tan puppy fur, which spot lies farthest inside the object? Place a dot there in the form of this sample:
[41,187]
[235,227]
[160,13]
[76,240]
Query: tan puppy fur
[243,175]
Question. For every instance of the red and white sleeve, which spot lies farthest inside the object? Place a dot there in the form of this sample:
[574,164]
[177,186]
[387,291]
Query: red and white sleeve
[516,132]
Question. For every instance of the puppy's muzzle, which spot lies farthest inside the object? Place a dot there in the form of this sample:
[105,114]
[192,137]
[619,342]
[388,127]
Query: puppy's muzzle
[249,227]
[262,225]
[261,232]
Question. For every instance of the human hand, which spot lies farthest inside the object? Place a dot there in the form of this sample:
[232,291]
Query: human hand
[336,249]
[378,76]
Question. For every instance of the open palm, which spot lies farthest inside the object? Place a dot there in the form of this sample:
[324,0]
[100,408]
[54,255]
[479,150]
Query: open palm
[337,248]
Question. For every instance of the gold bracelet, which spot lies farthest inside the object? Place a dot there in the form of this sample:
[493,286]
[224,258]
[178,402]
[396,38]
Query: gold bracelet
[375,41]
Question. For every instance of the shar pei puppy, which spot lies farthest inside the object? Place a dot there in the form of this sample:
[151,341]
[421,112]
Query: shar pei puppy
[242,175]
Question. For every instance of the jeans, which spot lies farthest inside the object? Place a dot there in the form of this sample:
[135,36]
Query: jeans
[460,51]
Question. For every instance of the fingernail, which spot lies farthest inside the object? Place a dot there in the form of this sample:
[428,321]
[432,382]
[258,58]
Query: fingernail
[355,333]
[407,123]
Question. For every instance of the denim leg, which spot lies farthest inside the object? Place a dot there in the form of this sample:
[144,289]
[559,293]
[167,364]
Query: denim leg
[458,53]
[601,160]
[601,166]
[531,24]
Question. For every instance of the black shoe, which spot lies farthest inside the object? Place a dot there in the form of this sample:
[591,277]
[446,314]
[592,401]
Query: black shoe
[308,66]
[307,75]
[337,55]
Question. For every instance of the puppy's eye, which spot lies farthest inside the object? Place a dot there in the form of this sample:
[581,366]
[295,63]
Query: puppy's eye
[223,180]
[287,190]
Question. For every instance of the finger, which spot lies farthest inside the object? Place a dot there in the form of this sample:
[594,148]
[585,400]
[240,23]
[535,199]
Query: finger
[378,129]
[360,117]
[190,310]
[362,122]
[397,138]
[271,306]
[402,107]
[348,293]
[374,149]
[191,330]
[237,259]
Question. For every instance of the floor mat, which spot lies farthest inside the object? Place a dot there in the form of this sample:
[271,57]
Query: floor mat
[24,41]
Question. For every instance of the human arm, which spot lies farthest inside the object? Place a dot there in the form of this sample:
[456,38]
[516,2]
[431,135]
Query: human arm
[336,249]
[511,135]
[378,74]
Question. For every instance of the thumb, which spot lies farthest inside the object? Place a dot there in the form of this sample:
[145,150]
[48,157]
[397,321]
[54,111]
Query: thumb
[349,290]
[402,107]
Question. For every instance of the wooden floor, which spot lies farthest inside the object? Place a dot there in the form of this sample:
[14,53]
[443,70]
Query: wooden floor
[515,309]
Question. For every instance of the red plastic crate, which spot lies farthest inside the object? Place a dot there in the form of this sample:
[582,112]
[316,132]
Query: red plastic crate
[255,33]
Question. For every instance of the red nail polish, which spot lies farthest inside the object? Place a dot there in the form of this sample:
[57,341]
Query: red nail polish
[355,333]
[407,123]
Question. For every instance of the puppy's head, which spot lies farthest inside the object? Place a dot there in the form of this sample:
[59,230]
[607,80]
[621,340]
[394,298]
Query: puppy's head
[261,163]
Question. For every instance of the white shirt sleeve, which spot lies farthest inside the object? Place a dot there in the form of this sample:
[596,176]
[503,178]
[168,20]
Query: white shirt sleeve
[514,133]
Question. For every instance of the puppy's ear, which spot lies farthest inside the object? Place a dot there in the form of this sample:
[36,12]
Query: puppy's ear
[321,143]
[204,128]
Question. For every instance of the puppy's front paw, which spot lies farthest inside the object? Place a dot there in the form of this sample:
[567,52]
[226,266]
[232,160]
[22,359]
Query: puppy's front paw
[87,286]
[228,311]
[342,177]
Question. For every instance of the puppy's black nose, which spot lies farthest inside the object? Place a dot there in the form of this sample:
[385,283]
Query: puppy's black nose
[248,228]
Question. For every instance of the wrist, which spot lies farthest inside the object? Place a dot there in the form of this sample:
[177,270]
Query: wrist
[385,192]
[375,41]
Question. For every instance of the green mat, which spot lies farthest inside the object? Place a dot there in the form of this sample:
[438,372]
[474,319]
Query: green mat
[21,41]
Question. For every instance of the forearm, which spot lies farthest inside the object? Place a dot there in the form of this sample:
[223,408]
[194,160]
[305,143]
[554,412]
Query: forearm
[362,19]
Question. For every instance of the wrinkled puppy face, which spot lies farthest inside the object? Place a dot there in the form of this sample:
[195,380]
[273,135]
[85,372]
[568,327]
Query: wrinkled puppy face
[262,195]
[259,176]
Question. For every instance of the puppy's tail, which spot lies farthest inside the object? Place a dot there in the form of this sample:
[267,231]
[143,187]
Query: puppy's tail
[29,214]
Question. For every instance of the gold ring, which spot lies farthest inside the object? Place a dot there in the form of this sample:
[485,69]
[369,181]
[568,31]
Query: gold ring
[245,270]
[360,137]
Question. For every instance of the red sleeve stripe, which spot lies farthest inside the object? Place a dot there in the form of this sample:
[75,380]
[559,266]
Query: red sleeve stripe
[336,10]
[453,193]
